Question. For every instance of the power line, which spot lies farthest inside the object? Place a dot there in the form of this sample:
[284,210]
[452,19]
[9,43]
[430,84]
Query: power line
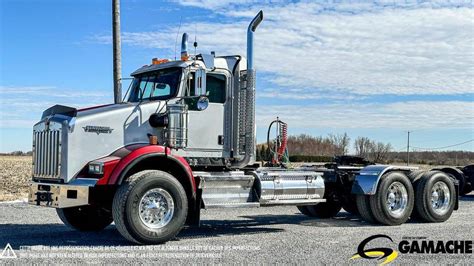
[444,147]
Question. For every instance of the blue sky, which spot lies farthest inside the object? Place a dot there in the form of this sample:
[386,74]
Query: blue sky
[374,69]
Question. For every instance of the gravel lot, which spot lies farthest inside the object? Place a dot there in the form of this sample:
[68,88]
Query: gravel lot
[273,235]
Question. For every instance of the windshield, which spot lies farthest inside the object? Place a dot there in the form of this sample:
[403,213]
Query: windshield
[159,85]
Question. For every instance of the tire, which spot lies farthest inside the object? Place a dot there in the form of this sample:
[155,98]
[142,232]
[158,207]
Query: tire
[442,184]
[150,207]
[467,189]
[350,206]
[469,176]
[85,218]
[402,208]
[363,206]
[323,210]
[460,176]
[304,210]
[415,175]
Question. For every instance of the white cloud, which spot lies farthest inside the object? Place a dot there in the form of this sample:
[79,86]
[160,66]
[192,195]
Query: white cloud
[17,123]
[362,49]
[22,106]
[344,53]
[50,91]
[412,115]
[304,94]
[248,7]
[218,5]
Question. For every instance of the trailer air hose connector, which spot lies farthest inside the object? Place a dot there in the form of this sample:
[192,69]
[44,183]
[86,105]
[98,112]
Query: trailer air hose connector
[278,146]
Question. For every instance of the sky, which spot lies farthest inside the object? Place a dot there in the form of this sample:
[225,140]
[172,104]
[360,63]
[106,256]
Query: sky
[369,68]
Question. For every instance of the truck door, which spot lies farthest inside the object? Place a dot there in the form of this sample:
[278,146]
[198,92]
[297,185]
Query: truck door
[206,128]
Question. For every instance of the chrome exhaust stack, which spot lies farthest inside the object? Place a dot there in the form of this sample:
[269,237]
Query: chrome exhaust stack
[246,103]
[251,29]
[184,47]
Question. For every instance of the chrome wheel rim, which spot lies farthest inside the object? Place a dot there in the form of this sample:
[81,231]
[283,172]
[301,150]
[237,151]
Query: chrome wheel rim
[397,199]
[440,198]
[156,208]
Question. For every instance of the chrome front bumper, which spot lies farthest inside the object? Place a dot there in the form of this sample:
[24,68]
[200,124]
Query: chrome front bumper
[54,195]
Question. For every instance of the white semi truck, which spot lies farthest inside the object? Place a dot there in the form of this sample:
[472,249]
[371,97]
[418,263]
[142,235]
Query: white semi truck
[184,139]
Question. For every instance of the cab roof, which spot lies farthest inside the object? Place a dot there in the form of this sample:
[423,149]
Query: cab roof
[150,68]
[204,60]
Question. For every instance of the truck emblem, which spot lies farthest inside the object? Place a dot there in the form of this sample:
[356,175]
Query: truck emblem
[98,129]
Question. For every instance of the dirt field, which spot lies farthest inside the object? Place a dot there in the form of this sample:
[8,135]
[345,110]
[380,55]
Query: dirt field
[15,175]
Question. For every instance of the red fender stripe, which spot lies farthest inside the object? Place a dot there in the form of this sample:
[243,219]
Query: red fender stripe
[132,152]
[93,107]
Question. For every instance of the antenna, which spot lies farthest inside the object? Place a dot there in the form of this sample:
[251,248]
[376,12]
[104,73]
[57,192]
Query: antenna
[177,34]
[195,44]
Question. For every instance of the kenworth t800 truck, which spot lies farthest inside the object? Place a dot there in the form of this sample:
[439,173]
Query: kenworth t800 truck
[184,139]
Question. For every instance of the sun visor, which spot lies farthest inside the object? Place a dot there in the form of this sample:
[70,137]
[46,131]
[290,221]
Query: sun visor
[60,109]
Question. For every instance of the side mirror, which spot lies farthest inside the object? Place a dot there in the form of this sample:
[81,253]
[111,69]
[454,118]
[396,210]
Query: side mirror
[200,82]
[202,103]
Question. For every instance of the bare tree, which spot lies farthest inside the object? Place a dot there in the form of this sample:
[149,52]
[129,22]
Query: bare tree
[308,145]
[379,151]
[341,143]
[373,151]
[363,146]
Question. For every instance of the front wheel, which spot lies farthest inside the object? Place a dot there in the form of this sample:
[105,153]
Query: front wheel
[85,218]
[150,207]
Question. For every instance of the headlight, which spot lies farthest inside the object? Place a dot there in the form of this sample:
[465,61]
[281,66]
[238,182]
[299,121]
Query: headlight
[96,168]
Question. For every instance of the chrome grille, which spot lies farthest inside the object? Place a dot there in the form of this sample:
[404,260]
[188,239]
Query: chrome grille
[47,152]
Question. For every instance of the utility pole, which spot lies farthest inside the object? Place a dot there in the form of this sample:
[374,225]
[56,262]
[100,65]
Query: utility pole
[408,148]
[117,51]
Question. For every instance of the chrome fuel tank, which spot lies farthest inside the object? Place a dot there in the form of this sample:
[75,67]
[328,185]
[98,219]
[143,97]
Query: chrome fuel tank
[282,186]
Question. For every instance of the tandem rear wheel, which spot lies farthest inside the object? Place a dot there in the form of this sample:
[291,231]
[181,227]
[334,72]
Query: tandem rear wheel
[431,198]
[434,197]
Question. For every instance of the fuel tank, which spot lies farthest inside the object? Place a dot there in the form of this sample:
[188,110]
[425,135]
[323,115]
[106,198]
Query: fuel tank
[289,187]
